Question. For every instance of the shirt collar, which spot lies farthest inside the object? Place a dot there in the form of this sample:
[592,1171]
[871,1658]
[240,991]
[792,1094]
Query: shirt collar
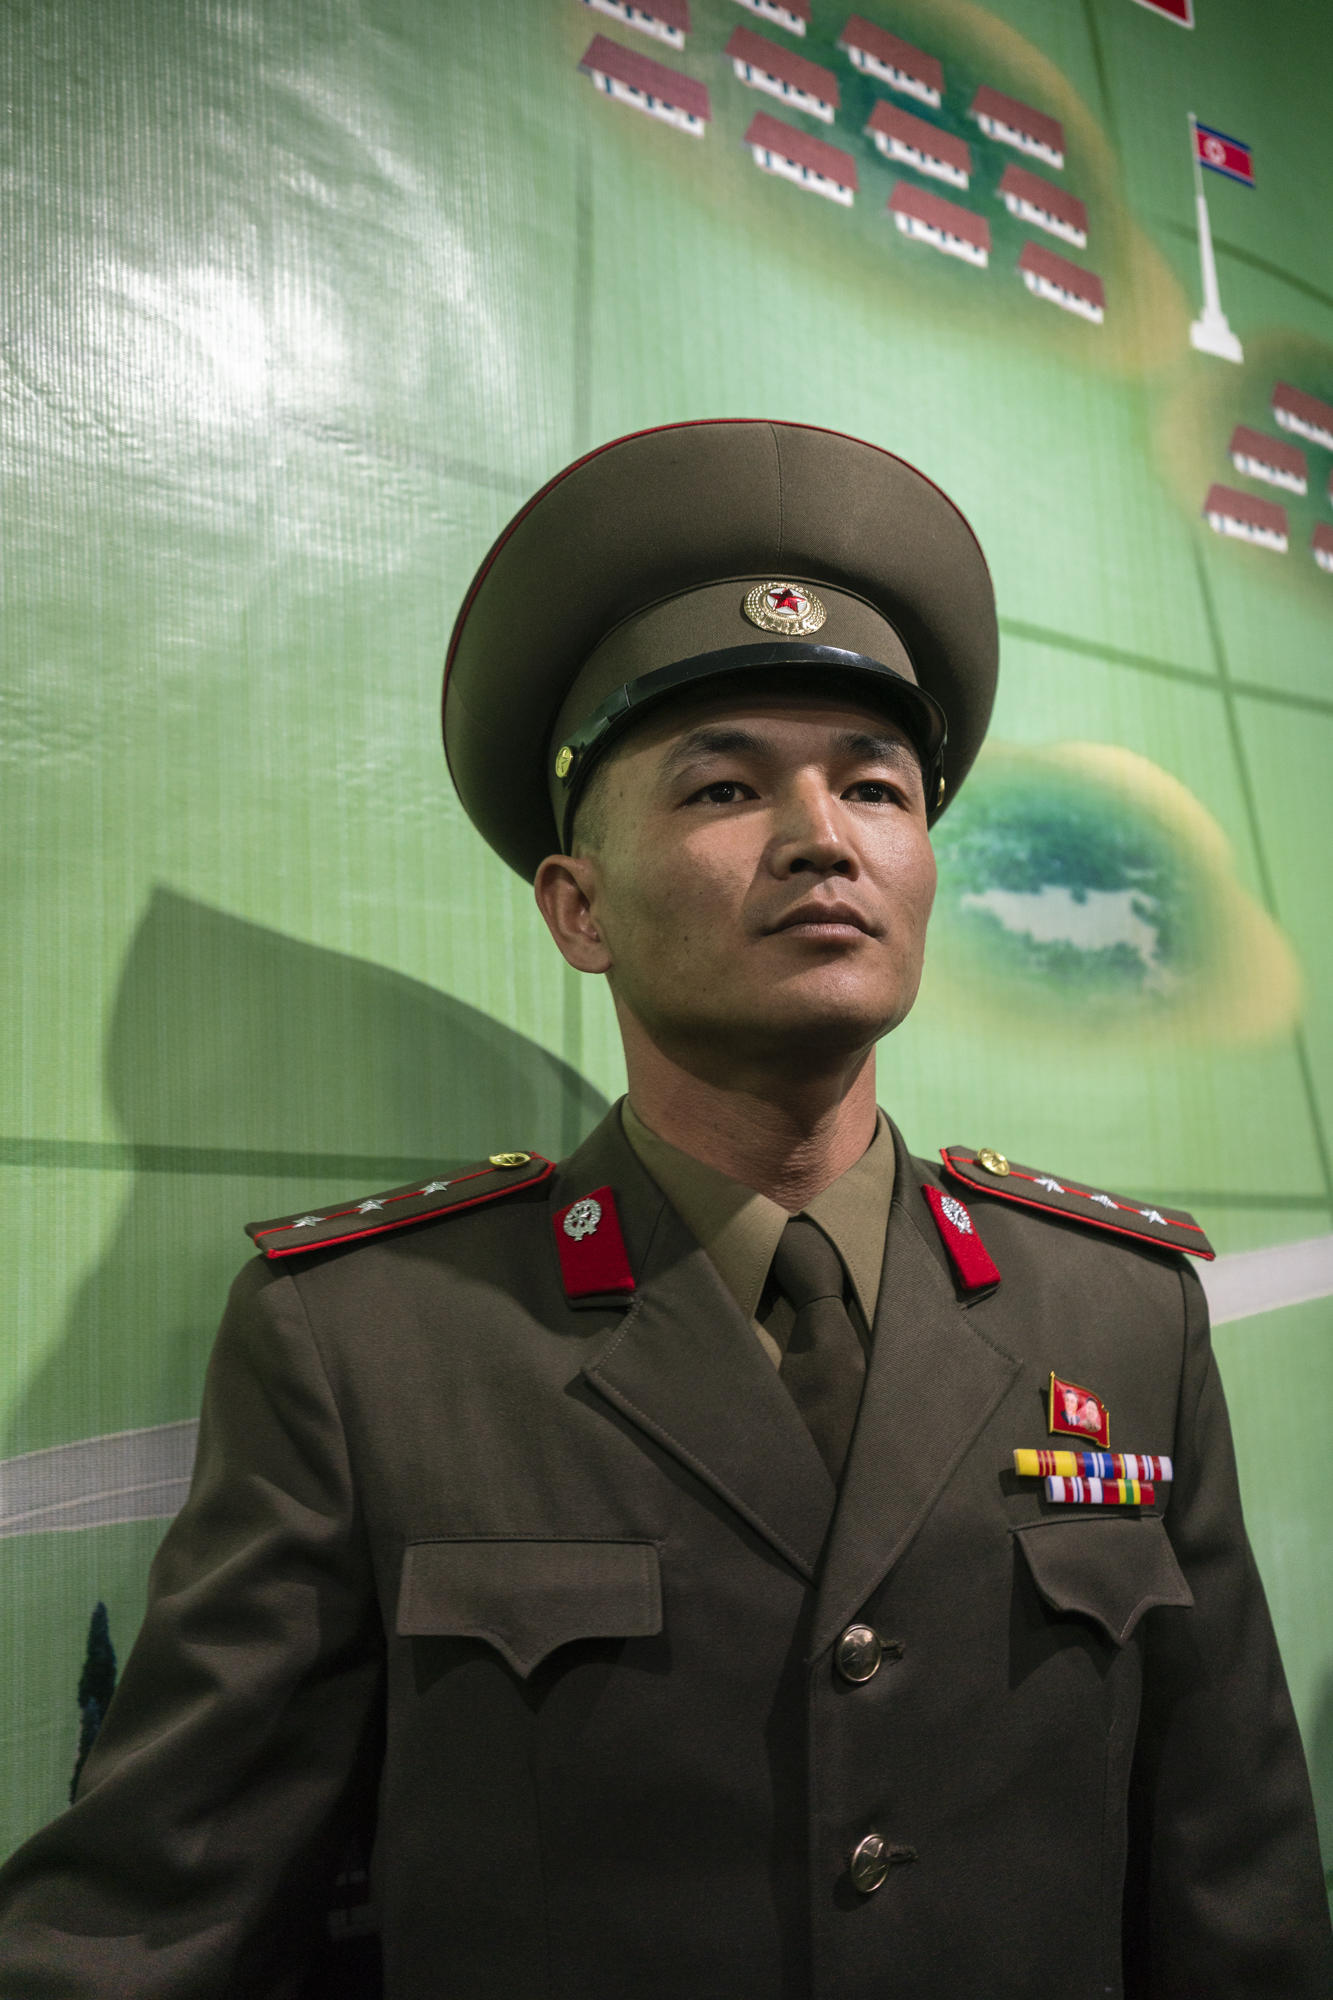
[739,1228]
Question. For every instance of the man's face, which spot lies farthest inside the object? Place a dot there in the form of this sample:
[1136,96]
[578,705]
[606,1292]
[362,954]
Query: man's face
[762,877]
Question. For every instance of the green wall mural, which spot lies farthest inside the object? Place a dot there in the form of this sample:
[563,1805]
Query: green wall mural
[304,301]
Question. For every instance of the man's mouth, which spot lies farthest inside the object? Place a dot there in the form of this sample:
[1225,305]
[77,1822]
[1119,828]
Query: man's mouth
[824,920]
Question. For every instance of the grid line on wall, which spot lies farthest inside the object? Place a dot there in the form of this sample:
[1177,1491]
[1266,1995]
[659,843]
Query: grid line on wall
[1170,670]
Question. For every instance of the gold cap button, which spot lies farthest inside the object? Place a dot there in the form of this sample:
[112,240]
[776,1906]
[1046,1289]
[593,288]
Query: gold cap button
[994,1163]
[510,1159]
[564,761]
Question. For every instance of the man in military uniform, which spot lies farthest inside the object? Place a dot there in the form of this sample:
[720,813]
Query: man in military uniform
[654,1535]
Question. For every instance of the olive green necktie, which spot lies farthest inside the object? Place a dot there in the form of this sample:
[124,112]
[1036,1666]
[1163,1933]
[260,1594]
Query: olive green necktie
[824,1365]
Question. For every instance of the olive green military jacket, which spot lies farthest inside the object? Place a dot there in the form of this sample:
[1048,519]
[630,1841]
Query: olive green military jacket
[564,1585]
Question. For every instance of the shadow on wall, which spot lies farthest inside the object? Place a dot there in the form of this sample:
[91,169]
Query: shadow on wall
[252,1073]
[1320,1749]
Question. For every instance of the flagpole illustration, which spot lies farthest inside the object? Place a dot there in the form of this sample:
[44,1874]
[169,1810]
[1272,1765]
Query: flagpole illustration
[1210,332]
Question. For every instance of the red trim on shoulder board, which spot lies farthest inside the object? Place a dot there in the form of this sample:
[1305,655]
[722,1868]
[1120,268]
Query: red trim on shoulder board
[958,1233]
[506,1173]
[990,1173]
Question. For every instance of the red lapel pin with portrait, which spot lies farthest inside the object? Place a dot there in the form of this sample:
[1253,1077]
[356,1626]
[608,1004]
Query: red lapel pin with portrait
[1076,1412]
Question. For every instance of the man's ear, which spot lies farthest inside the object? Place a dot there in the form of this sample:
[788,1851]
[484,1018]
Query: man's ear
[565,887]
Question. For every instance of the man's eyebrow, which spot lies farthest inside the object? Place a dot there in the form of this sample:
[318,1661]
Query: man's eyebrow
[714,741]
[722,740]
[877,749]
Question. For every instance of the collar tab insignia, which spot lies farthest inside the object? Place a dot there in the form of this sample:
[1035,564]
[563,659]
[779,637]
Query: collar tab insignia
[582,1219]
[593,1259]
[784,607]
[421,1201]
[958,1233]
[1073,1411]
[990,1173]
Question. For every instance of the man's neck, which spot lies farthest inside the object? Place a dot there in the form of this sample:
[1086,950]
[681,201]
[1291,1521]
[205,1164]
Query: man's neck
[788,1137]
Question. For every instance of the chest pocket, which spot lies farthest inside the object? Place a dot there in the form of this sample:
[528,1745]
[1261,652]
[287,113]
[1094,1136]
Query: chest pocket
[1111,1569]
[526,1597]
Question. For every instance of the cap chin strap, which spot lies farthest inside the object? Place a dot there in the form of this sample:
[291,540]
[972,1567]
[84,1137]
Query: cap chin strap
[582,749]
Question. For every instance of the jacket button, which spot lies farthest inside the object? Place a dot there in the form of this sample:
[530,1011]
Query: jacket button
[869,1864]
[858,1653]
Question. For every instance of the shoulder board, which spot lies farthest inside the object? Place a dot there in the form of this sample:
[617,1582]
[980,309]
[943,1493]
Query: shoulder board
[422,1201]
[991,1173]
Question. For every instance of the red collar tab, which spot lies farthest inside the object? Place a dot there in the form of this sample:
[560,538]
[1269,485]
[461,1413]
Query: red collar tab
[593,1262]
[967,1253]
[1076,1412]
[1168,1228]
[422,1201]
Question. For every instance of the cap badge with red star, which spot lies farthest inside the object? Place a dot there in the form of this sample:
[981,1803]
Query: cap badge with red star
[784,607]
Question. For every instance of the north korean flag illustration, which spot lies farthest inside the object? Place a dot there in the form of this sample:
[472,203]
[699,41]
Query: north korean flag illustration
[1231,157]
[1175,10]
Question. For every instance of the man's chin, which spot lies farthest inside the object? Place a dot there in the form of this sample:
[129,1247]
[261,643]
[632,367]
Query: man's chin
[832,1000]
[809,1034]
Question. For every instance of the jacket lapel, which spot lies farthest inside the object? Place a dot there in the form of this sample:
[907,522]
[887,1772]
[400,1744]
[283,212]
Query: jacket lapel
[934,1382]
[684,1367]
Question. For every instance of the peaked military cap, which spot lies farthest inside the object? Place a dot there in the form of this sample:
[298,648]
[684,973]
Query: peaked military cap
[700,553]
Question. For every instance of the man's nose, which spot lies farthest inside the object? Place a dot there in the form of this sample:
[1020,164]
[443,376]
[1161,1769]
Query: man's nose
[811,838]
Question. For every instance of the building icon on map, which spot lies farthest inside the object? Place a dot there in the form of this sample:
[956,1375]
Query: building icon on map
[929,218]
[877,53]
[1015,124]
[1305,415]
[1247,518]
[763,65]
[793,15]
[1260,457]
[779,148]
[912,142]
[1034,200]
[646,85]
[1061,283]
[667,20]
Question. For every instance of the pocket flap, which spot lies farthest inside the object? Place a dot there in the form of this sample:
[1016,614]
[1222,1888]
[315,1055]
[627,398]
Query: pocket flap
[1112,1568]
[526,1597]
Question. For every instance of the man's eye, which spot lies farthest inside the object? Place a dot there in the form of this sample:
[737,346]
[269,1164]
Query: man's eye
[726,792]
[872,792]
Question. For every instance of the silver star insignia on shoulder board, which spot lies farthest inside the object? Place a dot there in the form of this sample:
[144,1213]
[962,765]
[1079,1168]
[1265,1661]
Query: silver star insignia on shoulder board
[1105,1200]
[1153,1215]
[305,1222]
[1051,1187]
[364,1207]
[434,1187]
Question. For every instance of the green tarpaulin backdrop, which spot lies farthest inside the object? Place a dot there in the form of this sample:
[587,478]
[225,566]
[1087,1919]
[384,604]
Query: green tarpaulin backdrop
[303,300]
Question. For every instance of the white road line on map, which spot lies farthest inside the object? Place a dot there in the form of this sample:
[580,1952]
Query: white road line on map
[141,1475]
[1259,1281]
